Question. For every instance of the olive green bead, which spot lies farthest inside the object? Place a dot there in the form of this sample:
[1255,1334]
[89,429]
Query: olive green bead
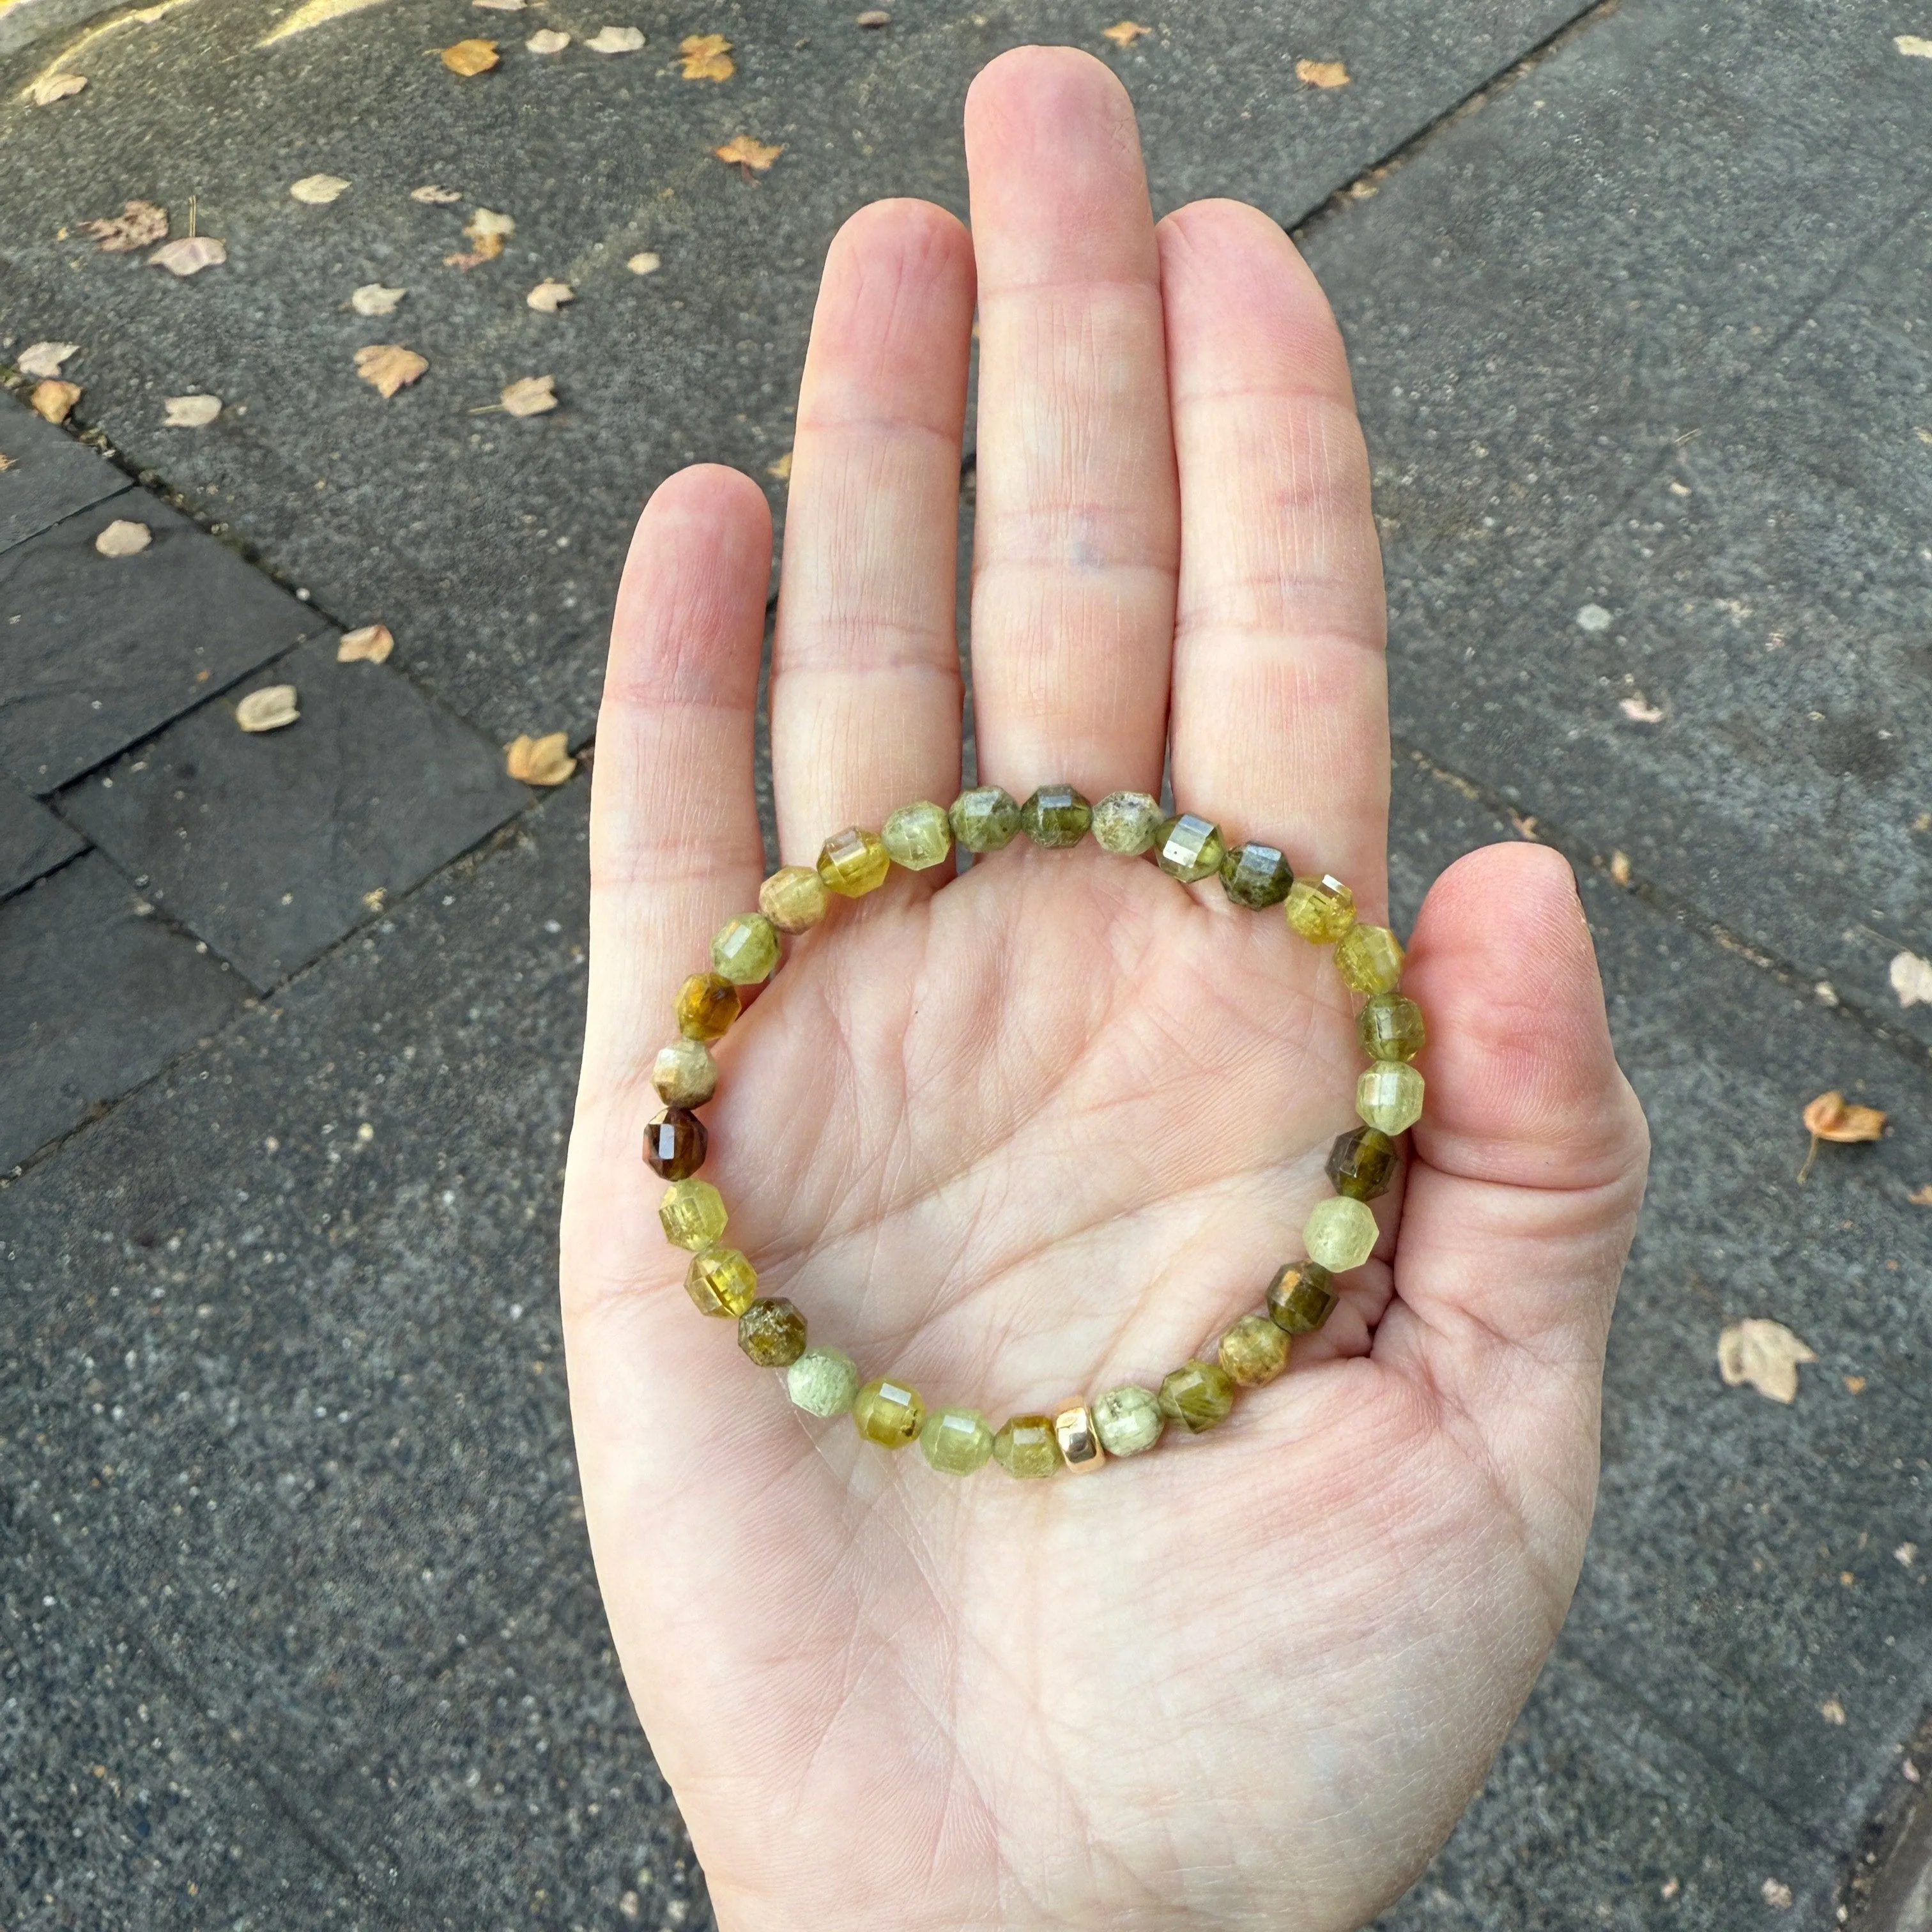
[1370,957]
[1321,909]
[772,1332]
[1188,848]
[1056,816]
[1128,1420]
[707,1004]
[692,1213]
[1300,1297]
[1198,1395]
[1362,1163]
[956,1441]
[1126,822]
[823,1381]
[1340,1233]
[918,836]
[1254,1351]
[888,1413]
[853,863]
[793,898]
[1389,1095]
[684,1073]
[720,1281]
[1390,1027]
[1026,1446]
[745,950]
[985,819]
[1256,875]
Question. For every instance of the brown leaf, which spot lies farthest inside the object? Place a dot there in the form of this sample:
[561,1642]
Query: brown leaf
[471,57]
[1764,1354]
[436,196]
[781,469]
[530,396]
[318,190]
[1831,1118]
[54,400]
[189,255]
[1124,33]
[124,538]
[547,297]
[749,153]
[388,366]
[1321,73]
[488,231]
[6,461]
[371,644]
[616,41]
[140,225]
[540,761]
[44,358]
[706,57]
[52,87]
[195,412]
[269,708]
[1921,1197]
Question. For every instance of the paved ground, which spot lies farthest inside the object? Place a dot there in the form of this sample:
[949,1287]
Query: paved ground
[296,1622]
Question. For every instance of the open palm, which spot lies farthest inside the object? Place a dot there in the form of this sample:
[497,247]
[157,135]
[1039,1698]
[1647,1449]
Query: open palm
[1035,1131]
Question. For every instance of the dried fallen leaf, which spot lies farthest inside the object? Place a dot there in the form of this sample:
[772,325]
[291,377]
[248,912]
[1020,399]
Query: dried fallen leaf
[1831,1118]
[469,58]
[268,709]
[501,6]
[52,87]
[873,16]
[648,263]
[1921,1197]
[1620,868]
[1832,1711]
[388,366]
[1906,1553]
[1764,1354]
[706,57]
[195,412]
[371,644]
[44,358]
[54,400]
[1855,1385]
[530,396]
[547,40]
[139,225]
[488,231]
[616,41]
[6,461]
[372,299]
[435,196]
[1124,33]
[1911,979]
[781,469]
[1639,712]
[540,761]
[1776,1894]
[189,255]
[749,153]
[124,538]
[318,190]
[1914,43]
[547,297]
[1321,73]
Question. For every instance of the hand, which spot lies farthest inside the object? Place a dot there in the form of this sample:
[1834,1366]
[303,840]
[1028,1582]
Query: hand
[1046,1127]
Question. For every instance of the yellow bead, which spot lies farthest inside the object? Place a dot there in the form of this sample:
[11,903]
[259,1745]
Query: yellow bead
[1253,1351]
[684,1073]
[793,898]
[1340,1233]
[854,861]
[1389,1095]
[1370,957]
[1078,1439]
[707,1004]
[745,950]
[888,1413]
[919,836]
[693,1214]
[720,1281]
[1321,909]
[1026,1446]
[956,1441]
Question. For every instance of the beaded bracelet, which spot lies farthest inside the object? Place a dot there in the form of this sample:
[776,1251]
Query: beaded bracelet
[1339,1233]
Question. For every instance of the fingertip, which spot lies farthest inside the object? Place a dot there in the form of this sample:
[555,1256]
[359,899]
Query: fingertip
[1016,91]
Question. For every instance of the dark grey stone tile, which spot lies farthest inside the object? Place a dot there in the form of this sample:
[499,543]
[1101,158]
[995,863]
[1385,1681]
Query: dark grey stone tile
[48,475]
[33,842]
[271,846]
[95,997]
[101,651]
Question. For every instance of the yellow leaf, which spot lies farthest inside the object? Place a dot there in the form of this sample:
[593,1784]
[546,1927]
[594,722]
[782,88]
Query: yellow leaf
[706,57]
[781,469]
[371,644]
[317,190]
[1124,33]
[54,400]
[468,58]
[488,231]
[530,396]
[1764,1354]
[749,153]
[268,709]
[1321,73]
[388,366]
[547,297]
[124,538]
[540,761]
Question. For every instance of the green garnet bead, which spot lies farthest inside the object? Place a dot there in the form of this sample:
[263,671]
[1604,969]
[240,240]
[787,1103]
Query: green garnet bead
[1188,848]
[745,950]
[772,1332]
[674,1143]
[853,863]
[707,1004]
[1254,1351]
[888,1413]
[1056,815]
[1389,1095]
[1026,1446]
[793,898]
[1256,875]
[1370,957]
[823,1381]
[956,1441]
[1128,1420]
[720,1281]
[684,1073]
[1126,822]
[1340,1233]
[693,1214]
[985,819]
[1390,1027]
[1198,1395]
[1321,909]
[918,836]
[1362,1164]
[1299,1297]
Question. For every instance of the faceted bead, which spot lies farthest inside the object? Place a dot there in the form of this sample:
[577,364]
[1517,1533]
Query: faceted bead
[1299,1297]
[1026,1446]
[1340,1233]
[854,861]
[1390,1027]
[1056,815]
[985,819]
[707,1004]
[684,1073]
[1198,1395]
[1256,875]
[1188,847]
[1129,1419]
[745,950]
[1389,1095]
[1362,1164]
[1126,822]
[1254,1351]
[1370,957]
[793,898]
[720,1281]
[1078,1440]
[919,835]
[823,1381]
[1321,909]
[888,1413]
[772,1332]
[693,1214]
[956,1441]
[674,1143]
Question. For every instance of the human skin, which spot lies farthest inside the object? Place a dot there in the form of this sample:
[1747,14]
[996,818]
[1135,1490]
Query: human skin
[1046,1126]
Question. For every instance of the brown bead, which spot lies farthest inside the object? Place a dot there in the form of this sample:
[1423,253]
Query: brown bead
[772,1332]
[707,1004]
[1362,1164]
[675,1142]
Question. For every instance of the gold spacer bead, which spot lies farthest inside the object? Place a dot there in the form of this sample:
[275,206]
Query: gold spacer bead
[1079,1440]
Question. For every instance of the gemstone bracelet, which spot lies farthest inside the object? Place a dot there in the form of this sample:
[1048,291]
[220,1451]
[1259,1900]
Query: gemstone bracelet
[1339,1234]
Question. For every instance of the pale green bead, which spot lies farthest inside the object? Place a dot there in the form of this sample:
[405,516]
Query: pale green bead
[1126,821]
[745,950]
[693,1214]
[1128,1420]
[986,819]
[918,835]
[1189,847]
[823,1381]
[956,1441]
[1321,909]
[1340,1233]
[1389,1095]
[1370,957]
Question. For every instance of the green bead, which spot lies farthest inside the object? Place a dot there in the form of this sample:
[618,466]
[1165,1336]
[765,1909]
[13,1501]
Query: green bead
[1362,1164]
[1370,957]
[1254,1351]
[1389,1095]
[1128,1420]
[745,950]
[956,1441]
[1299,1297]
[1056,815]
[985,819]
[1256,875]
[1198,1395]
[772,1332]
[853,863]
[1188,848]
[693,1214]
[720,1281]
[1390,1027]
[1026,1446]
[888,1413]
[823,1381]
[1126,821]
[1340,1233]
[1321,909]
[919,836]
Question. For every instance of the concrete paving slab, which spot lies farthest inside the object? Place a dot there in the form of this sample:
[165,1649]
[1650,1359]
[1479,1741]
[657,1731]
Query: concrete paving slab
[272,845]
[49,474]
[33,842]
[101,651]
